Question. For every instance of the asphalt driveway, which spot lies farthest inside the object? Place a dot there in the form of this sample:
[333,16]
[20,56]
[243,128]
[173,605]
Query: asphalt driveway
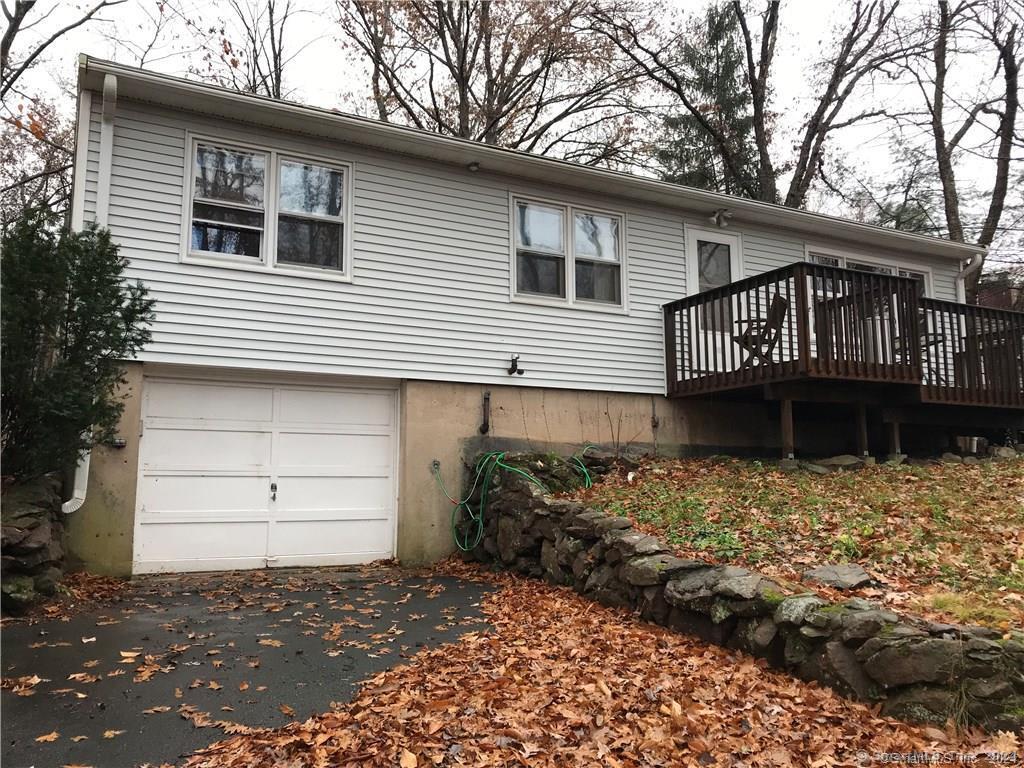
[181,660]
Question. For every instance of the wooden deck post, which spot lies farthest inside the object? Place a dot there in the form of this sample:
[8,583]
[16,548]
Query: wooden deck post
[786,414]
[862,429]
[895,449]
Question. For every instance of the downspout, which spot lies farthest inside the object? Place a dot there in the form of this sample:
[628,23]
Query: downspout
[81,483]
[961,277]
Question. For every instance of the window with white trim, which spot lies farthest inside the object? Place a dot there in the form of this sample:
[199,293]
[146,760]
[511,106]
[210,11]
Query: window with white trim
[310,225]
[567,253]
[870,267]
[238,193]
[228,216]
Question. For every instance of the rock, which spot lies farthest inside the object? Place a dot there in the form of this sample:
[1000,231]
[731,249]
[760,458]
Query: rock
[841,576]
[739,583]
[990,688]
[793,610]
[764,633]
[816,469]
[1002,452]
[931,660]
[698,583]
[843,461]
[510,539]
[568,547]
[631,543]
[36,539]
[581,525]
[599,578]
[17,592]
[971,460]
[46,583]
[648,570]
[860,625]
[839,667]
[921,704]
[582,565]
[611,523]
[789,465]
[895,459]
[951,458]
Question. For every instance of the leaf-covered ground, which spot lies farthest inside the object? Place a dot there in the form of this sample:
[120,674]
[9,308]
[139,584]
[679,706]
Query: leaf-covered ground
[561,681]
[946,540]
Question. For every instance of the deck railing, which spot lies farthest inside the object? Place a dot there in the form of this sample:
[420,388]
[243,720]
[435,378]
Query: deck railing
[812,320]
[972,355]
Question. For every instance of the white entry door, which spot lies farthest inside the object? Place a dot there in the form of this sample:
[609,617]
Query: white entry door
[714,260]
[239,475]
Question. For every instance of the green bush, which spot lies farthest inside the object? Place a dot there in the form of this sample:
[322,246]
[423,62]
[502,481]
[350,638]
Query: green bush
[68,322]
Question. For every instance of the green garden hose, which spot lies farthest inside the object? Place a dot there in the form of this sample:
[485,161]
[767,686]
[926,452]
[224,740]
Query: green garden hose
[485,467]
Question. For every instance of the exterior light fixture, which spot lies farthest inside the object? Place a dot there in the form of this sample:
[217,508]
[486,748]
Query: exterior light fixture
[720,218]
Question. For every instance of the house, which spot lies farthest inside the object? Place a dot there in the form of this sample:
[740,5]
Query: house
[345,307]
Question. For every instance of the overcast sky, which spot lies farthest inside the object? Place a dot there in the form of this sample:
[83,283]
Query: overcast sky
[322,74]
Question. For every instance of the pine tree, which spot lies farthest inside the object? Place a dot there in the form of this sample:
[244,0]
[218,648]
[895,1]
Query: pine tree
[68,321]
[712,61]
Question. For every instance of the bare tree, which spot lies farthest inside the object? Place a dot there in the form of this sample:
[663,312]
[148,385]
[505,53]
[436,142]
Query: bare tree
[978,127]
[863,47]
[36,142]
[12,66]
[244,48]
[522,73]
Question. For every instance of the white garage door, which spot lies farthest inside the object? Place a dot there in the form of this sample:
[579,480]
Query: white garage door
[235,475]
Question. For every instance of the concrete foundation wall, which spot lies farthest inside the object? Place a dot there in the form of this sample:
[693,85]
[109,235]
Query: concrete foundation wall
[442,421]
[99,535]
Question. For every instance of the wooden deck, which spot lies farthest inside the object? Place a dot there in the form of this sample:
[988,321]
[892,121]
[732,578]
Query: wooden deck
[815,322]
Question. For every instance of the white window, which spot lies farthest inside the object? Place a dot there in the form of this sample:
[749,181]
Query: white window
[567,254]
[228,216]
[310,219]
[265,210]
[923,276]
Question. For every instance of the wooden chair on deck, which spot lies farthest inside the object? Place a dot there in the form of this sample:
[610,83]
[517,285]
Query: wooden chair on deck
[759,338]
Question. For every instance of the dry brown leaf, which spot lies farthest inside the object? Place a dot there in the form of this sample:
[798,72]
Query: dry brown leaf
[111,734]
[286,710]
[408,759]
[271,642]
[46,737]
[156,710]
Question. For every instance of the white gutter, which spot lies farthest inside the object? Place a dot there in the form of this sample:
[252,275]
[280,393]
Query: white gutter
[81,485]
[961,277]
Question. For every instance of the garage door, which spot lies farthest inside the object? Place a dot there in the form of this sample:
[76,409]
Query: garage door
[235,475]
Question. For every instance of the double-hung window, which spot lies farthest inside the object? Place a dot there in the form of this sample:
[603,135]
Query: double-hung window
[228,216]
[268,210]
[569,254]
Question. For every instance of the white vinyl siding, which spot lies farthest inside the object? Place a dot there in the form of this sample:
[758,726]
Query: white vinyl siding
[431,275]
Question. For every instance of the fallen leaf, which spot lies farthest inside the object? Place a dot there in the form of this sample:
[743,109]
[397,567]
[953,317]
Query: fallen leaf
[408,759]
[77,739]
[88,639]
[286,710]
[155,710]
[215,686]
[111,734]
[243,686]
[51,736]
[271,642]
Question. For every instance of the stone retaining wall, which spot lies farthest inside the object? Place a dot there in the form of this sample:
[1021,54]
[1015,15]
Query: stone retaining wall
[921,671]
[31,542]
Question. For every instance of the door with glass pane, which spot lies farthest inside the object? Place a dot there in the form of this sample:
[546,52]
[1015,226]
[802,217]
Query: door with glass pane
[714,261]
